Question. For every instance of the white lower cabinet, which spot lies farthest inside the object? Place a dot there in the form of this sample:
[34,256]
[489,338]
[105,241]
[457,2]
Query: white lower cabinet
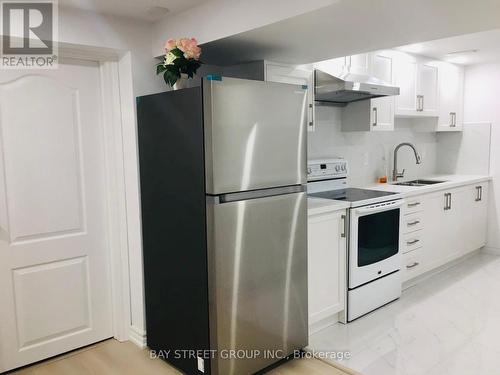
[453,223]
[413,263]
[476,217]
[326,267]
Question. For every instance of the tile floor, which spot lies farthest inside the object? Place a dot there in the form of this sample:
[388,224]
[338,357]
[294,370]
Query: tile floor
[449,324]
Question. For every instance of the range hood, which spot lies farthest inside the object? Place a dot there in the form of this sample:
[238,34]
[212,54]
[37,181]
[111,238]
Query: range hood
[349,87]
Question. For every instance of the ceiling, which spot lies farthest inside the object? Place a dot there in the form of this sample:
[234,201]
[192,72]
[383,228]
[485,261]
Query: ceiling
[146,10]
[349,27]
[469,49]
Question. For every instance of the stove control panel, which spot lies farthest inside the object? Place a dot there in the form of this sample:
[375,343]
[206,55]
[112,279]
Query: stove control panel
[326,168]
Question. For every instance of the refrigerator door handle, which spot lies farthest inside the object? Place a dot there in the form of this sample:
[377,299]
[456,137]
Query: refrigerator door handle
[254,194]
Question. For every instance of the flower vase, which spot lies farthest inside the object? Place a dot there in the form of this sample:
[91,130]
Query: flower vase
[182,82]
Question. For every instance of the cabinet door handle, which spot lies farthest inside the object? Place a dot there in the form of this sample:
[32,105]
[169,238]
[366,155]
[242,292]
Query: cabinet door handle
[446,201]
[479,193]
[375,116]
[453,119]
[413,223]
[413,204]
[344,226]
[420,103]
[311,115]
[414,264]
[449,204]
[412,242]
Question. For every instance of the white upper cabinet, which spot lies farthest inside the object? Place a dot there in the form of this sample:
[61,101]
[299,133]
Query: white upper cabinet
[418,80]
[382,109]
[375,114]
[335,67]
[358,64]
[295,75]
[451,97]
[405,77]
[428,88]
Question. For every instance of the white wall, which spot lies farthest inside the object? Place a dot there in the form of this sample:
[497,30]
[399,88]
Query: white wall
[84,28]
[133,39]
[465,152]
[481,100]
[370,154]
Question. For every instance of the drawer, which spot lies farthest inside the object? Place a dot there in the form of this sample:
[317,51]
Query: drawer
[413,222]
[412,205]
[413,264]
[412,241]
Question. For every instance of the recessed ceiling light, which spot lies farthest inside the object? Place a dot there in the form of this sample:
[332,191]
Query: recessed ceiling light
[157,12]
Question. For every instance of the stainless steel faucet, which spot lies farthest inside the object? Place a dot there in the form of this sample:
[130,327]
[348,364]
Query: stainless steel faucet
[395,173]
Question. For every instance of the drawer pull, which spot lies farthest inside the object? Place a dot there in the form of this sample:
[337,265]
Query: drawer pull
[413,204]
[413,242]
[413,223]
[414,264]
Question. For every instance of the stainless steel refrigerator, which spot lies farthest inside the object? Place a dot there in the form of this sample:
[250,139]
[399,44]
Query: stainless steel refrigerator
[224,221]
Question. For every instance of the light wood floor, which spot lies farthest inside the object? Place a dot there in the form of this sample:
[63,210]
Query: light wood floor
[115,358]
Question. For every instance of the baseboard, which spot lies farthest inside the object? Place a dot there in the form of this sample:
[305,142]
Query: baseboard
[324,323]
[137,336]
[491,250]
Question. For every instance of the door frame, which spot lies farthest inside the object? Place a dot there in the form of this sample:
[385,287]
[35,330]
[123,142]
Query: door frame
[119,136]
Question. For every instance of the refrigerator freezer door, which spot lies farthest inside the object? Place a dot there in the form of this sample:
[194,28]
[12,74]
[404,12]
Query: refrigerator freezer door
[257,254]
[255,134]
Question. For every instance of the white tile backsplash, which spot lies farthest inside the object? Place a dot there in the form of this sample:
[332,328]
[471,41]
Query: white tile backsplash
[370,154]
[466,152]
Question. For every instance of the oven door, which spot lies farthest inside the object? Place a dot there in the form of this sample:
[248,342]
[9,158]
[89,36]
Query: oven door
[375,242]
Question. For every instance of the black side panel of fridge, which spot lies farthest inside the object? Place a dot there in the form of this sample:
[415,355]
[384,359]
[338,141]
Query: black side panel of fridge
[172,175]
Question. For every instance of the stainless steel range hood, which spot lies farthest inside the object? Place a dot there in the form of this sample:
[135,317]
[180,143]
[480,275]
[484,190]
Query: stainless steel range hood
[349,87]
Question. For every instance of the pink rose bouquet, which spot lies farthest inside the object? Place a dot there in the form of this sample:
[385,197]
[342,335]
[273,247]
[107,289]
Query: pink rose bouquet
[182,56]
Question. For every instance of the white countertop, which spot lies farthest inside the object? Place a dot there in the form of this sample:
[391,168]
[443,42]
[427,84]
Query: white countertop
[452,181]
[319,205]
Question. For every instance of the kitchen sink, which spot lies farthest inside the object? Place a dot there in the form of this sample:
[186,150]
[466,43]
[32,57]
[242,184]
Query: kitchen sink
[419,183]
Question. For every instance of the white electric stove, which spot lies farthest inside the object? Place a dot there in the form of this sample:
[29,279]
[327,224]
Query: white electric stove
[374,245]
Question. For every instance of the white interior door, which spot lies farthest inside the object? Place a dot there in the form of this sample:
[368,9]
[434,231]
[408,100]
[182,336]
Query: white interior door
[55,286]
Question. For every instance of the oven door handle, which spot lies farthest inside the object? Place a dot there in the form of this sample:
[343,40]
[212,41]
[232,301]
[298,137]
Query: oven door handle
[380,207]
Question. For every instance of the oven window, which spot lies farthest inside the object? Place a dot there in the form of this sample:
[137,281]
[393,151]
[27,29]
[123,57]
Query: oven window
[378,237]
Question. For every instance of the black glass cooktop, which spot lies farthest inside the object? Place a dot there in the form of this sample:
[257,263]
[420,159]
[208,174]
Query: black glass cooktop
[351,194]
